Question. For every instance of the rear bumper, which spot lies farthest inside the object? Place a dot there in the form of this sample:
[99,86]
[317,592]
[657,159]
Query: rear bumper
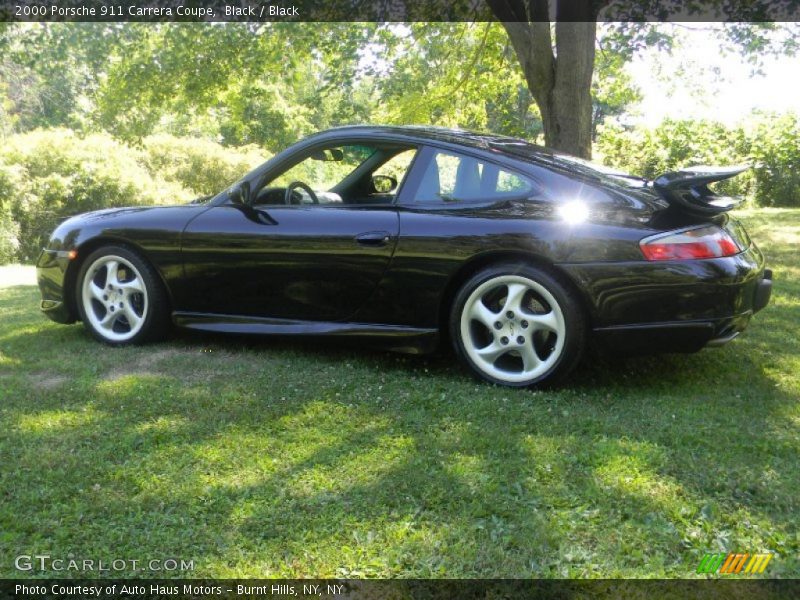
[763,291]
[695,303]
[675,336]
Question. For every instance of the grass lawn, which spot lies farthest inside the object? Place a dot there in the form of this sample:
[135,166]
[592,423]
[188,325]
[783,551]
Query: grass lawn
[263,458]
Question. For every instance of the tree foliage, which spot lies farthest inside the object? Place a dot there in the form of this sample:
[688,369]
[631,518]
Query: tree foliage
[140,113]
[470,78]
[767,142]
[270,83]
[245,83]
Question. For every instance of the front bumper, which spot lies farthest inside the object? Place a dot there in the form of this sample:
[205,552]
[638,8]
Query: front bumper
[675,307]
[51,275]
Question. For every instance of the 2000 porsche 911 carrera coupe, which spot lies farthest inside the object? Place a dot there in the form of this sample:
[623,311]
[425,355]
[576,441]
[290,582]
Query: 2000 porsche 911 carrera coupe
[518,255]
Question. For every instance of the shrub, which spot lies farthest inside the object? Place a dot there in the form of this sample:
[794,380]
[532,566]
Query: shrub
[201,166]
[773,146]
[9,238]
[58,174]
[47,175]
[674,145]
[9,229]
[767,142]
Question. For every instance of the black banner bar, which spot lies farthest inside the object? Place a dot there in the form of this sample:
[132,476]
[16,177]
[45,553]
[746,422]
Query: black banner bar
[401,589]
[394,10]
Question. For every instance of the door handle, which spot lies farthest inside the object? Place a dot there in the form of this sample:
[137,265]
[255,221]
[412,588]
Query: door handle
[373,238]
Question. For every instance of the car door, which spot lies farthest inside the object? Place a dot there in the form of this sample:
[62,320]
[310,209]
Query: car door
[315,263]
[303,260]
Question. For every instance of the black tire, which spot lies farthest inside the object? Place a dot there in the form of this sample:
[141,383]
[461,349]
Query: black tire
[570,325]
[153,303]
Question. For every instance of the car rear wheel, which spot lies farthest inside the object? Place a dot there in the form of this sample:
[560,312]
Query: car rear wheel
[517,325]
[120,298]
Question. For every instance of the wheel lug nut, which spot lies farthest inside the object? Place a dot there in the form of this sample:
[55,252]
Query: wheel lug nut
[520,339]
[105,296]
[524,324]
[510,314]
[504,340]
[498,325]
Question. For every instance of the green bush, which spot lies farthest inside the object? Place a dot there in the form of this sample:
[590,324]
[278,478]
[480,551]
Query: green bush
[774,148]
[201,166]
[768,142]
[47,175]
[57,174]
[9,230]
[674,145]
[9,238]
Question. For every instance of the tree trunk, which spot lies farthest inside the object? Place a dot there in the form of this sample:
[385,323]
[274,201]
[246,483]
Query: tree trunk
[559,82]
[571,113]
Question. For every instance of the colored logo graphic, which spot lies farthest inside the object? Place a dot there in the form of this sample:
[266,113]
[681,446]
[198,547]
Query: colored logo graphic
[732,563]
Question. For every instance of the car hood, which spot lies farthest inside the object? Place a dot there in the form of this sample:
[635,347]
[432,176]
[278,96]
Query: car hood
[106,213]
[122,222]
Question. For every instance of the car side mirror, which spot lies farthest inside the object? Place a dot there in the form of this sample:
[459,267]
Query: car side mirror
[383,184]
[239,194]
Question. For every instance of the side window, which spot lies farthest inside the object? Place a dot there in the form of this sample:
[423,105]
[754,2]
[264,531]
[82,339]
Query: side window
[325,168]
[320,171]
[455,178]
[395,170]
[345,174]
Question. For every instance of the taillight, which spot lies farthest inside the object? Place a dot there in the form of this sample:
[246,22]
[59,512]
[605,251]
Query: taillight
[702,242]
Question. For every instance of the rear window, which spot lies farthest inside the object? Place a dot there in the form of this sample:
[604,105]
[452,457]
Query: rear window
[569,163]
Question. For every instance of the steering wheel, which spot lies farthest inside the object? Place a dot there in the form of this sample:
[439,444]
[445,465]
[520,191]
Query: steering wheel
[287,198]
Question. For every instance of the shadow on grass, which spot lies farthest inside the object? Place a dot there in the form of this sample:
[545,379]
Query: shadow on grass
[270,457]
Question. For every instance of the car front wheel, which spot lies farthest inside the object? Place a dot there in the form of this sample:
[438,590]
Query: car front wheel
[120,298]
[517,325]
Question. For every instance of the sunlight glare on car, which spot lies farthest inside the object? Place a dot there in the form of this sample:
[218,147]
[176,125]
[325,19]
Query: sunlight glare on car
[574,212]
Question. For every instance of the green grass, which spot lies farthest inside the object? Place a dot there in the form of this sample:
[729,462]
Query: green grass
[265,458]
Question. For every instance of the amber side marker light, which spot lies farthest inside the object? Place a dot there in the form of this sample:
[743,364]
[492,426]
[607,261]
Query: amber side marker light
[701,242]
[72,254]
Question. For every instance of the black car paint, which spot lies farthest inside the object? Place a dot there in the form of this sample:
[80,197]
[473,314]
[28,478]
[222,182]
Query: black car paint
[302,269]
[287,262]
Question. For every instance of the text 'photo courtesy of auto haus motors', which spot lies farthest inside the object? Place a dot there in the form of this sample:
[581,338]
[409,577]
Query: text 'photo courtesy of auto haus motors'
[414,236]
[187,589]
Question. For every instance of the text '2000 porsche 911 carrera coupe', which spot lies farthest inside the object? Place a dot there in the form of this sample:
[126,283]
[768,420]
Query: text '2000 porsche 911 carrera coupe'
[407,236]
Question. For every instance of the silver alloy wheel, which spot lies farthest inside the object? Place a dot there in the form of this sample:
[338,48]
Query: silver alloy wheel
[512,328]
[114,298]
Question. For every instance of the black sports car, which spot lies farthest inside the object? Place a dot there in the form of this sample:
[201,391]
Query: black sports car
[409,235]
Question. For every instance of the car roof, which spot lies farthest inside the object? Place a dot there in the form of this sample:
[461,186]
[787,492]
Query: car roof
[515,147]
[506,146]
[490,143]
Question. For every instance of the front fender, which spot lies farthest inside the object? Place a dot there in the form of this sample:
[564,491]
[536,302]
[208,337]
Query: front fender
[155,232]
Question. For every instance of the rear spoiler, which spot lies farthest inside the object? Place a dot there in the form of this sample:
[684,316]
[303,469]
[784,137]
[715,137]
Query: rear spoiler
[688,188]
